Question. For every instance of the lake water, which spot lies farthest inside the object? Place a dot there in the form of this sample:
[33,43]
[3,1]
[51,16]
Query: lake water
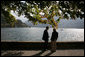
[36,33]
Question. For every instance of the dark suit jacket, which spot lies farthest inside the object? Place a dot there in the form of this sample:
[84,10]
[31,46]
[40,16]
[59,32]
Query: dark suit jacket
[45,35]
[54,36]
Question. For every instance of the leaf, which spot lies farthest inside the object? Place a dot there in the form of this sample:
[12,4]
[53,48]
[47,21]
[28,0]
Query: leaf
[58,20]
[66,16]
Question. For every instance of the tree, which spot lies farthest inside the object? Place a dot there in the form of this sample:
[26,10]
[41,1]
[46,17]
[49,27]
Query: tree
[36,10]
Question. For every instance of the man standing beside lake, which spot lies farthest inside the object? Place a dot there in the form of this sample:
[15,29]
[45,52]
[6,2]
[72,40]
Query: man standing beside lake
[54,37]
[45,38]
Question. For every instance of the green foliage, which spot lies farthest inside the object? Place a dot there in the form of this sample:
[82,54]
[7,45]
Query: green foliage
[66,16]
[50,9]
[58,20]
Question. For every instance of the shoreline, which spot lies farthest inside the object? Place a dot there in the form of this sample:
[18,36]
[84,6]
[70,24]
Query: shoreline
[41,27]
[38,41]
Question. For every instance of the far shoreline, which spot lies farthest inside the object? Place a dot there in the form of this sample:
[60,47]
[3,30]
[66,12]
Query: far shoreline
[41,27]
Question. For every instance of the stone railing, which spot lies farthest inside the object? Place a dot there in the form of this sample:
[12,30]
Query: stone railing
[39,45]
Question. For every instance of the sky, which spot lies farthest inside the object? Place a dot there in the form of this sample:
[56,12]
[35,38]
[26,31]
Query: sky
[22,18]
[64,23]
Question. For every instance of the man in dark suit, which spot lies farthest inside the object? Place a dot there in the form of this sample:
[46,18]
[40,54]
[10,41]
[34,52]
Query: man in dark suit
[45,38]
[54,37]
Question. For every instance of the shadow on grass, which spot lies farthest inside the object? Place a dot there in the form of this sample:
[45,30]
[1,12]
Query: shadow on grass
[39,54]
[49,54]
[42,51]
[11,53]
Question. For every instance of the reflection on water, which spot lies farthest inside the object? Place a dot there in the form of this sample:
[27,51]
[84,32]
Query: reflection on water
[35,34]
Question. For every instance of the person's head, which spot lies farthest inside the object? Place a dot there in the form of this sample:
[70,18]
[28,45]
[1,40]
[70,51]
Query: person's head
[54,29]
[47,27]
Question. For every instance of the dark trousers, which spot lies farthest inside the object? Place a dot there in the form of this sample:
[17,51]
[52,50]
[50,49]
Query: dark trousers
[46,45]
[53,45]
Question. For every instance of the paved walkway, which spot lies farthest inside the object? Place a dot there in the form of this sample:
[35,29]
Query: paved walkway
[43,53]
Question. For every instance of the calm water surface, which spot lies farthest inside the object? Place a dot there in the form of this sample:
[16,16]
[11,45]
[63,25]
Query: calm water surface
[35,34]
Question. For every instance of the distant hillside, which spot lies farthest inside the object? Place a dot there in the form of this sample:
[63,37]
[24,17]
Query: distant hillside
[19,23]
[3,22]
[64,23]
